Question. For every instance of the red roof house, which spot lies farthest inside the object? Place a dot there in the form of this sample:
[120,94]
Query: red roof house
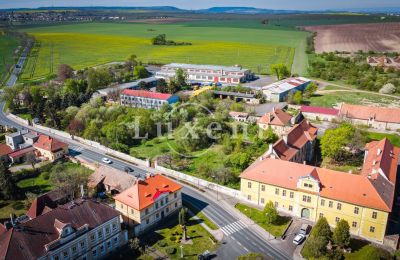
[50,148]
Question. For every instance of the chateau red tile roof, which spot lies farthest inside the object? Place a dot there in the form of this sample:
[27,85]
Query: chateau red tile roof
[276,117]
[5,149]
[381,159]
[143,193]
[49,143]
[28,242]
[40,205]
[341,186]
[146,94]
[283,150]
[319,110]
[381,114]
[297,138]
[301,133]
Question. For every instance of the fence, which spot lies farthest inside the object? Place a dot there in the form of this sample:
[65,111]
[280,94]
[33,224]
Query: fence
[90,143]
[199,182]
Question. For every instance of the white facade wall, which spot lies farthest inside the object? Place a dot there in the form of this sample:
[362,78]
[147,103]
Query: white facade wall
[95,244]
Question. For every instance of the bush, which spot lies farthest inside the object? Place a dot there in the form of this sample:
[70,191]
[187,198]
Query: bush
[170,250]
[388,88]
[172,238]
[46,175]
[163,244]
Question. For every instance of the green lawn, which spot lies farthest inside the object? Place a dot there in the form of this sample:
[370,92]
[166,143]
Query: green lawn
[8,45]
[167,235]
[89,44]
[332,99]
[275,229]
[393,138]
[37,185]
[368,252]
[25,116]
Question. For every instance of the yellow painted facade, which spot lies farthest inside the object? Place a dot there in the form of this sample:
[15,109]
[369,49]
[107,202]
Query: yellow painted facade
[305,202]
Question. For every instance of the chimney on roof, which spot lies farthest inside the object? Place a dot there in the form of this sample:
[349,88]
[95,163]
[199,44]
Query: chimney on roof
[273,109]
[304,162]
[379,151]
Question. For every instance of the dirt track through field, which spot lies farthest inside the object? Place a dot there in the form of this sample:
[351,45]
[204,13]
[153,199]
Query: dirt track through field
[379,37]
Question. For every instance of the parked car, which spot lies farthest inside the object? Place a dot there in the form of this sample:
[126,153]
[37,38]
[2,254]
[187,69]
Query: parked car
[299,239]
[305,228]
[128,169]
[205,255]
[106,160]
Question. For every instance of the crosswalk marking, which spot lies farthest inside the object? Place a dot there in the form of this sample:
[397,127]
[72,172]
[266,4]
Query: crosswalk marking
[233,227]
[76,148]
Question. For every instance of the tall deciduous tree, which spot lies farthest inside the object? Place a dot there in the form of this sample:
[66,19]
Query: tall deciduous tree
[7,185]
[140,72]
[280,70]
[64,72]
[310,90]
[334,141]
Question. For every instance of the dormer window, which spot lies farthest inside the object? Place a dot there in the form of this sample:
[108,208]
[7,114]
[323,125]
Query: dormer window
[307,185]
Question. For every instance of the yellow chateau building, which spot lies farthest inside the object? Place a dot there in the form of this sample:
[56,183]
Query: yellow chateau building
[365,200]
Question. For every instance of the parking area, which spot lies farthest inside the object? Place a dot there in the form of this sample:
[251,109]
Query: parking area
[287,243]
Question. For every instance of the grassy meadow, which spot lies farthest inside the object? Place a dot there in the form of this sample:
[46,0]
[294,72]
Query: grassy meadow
[7,46]
[88,44]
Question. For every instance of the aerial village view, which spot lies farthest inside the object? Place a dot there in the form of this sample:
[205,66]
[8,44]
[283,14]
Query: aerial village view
[249,130]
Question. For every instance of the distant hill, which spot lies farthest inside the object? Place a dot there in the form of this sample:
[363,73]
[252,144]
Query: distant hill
[246,10]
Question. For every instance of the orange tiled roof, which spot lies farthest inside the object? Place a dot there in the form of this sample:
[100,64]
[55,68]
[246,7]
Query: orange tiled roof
[381,114]
[341,186]
[276,117]
[143,193]
[49,143]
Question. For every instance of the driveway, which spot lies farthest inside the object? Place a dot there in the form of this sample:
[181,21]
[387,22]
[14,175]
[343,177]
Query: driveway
[287,244]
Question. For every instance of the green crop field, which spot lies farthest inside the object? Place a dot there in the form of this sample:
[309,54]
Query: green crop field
[89,44]
[7,47]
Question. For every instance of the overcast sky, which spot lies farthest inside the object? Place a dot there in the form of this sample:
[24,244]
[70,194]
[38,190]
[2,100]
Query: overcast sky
[190,4]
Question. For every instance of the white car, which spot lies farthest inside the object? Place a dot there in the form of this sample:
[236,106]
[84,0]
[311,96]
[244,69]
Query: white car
[299,239]
[106,160]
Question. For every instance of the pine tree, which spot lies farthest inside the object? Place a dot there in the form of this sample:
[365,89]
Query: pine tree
[341,234]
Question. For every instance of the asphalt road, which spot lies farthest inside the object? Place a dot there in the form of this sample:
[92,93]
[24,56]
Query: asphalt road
[18,68]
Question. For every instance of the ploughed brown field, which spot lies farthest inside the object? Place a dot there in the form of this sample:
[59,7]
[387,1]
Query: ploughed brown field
[379,37]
